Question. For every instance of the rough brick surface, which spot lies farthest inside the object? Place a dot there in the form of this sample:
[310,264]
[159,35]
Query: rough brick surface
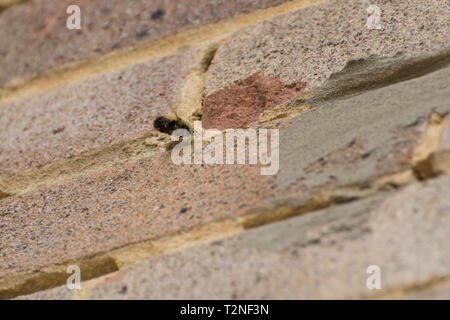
[85,115]
[350,141]
[122,205]
[323,254]
[311,44]
[46,44]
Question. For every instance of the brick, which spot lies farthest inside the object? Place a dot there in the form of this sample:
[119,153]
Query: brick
[46,44]
[86,115]
[353,141]
[322,255]
[311,45]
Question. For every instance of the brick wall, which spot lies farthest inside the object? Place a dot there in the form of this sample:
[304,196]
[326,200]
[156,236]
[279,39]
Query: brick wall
[87,179]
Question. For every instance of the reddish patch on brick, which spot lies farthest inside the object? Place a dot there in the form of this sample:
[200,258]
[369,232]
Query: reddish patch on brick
[58,130]
[241,103]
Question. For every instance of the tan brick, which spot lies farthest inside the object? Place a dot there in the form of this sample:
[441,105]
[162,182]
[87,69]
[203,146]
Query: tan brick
[312,45]
[34,38]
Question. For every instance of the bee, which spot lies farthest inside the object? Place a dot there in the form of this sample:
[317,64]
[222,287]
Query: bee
[169,124]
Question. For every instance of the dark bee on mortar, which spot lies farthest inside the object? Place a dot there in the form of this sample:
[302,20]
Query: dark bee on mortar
[166,125]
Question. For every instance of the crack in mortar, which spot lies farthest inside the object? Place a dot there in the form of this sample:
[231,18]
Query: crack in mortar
[189,108]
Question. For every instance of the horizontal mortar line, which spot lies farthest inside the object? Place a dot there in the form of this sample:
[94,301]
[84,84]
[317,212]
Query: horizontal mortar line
[169,45]
[413,288]
[43,279]
[8,5]
[90,162]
